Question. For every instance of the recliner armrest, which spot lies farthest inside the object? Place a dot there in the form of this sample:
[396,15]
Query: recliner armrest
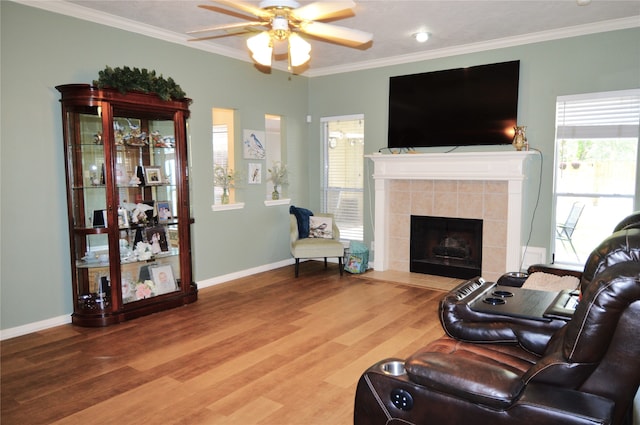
[466,378]
[554,269]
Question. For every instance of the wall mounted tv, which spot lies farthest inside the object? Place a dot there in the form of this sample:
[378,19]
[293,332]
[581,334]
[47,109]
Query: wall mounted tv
[456,107]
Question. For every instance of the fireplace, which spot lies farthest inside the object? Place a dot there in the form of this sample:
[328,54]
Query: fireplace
[445,246]
[488,186]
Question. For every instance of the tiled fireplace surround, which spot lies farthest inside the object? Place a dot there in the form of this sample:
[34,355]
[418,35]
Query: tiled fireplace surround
[480,185]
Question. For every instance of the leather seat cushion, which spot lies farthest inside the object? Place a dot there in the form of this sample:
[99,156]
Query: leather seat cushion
[489,374]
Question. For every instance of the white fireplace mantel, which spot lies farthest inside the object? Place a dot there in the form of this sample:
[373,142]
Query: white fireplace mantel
[485,166]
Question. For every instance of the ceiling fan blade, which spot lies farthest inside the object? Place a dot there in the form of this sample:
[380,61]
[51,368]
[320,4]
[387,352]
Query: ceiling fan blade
[233,13]
[347,36]
[212,37]
[322,10]
[229,26]
[243,7]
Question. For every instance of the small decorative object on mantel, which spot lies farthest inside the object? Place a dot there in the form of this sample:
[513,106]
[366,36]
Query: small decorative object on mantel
[126,80]
[520,138]
[224,178]
[279,176]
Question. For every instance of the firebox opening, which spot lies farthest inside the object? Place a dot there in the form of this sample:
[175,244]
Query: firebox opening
[446,246]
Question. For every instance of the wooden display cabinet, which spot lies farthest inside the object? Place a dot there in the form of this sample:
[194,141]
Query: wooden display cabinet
[128,202]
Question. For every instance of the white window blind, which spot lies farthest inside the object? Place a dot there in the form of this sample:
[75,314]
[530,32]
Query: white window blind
[343,173]
[606,115]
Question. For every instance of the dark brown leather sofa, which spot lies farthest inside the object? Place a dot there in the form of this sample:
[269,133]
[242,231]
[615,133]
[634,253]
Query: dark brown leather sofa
[495,370]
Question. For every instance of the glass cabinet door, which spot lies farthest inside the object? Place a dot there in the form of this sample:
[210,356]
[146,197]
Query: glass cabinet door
[87,175]
[145,169]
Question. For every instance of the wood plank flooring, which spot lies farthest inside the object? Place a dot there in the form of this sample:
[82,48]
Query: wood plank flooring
[265,349]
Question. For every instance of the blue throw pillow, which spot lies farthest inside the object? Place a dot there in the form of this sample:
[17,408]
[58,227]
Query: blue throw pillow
[302,217]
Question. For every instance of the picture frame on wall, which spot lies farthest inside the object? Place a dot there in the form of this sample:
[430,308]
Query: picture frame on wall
[253,144]
[152,176]
[255,173]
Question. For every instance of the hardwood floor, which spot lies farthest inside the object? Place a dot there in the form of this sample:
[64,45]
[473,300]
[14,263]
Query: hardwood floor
[265,349]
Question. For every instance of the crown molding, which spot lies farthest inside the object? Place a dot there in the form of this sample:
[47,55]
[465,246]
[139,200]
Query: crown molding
[568,32]
[92,15]
[87,14]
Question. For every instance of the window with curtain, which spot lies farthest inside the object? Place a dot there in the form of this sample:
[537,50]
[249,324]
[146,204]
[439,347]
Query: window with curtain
[596,159]
[342,183]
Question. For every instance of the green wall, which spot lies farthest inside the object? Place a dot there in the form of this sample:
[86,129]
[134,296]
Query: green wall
[41,50]
[593,63]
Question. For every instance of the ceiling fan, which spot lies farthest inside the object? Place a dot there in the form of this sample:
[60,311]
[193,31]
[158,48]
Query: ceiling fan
[281,21]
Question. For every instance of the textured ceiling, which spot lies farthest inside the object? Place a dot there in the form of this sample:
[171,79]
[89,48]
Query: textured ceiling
[455,25]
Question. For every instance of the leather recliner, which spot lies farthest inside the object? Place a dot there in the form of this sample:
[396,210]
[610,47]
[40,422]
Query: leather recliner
[583,372]
[461,321]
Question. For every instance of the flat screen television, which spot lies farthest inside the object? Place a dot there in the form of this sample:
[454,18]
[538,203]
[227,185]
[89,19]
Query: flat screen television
[456,107]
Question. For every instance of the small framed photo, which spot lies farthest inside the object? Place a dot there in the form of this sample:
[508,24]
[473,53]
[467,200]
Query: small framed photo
[255,173]
[123,218]
[163,279]
[152,175]
[174,238]
[164,211]
[157,238]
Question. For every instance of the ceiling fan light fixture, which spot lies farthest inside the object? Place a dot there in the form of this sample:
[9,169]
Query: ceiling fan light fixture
[298,50]
[280,27]
[261,48]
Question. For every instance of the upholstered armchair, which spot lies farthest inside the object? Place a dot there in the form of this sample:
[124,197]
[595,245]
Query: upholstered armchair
[587,373]
[315,247]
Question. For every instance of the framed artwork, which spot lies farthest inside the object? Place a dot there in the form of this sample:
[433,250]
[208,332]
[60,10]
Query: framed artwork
[157,238]
[152,175]
[164,211]
[163,279]
[255,173]
[253,144]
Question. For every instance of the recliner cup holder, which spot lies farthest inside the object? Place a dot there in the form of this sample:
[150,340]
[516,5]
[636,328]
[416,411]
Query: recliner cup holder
[502,294]
[393,368]
[494,301]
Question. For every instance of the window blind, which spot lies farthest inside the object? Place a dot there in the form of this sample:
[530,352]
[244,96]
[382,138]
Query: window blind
[608,115]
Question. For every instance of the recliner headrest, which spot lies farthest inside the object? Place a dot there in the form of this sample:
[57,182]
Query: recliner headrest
[630,221]
[621,246]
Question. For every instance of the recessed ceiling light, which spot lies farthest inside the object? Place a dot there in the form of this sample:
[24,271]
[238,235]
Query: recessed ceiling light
[583,2]
[421,36]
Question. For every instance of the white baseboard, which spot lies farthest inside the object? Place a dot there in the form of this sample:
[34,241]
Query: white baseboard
[66,319]
[35,327]
[243,273]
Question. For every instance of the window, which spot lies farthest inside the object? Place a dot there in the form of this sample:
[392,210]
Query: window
[595,167]
[223,138]
[342,185]
[272,124]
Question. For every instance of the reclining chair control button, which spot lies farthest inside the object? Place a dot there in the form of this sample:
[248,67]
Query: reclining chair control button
[401,399]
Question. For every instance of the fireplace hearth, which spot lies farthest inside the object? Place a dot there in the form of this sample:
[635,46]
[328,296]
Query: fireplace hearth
[446,246]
